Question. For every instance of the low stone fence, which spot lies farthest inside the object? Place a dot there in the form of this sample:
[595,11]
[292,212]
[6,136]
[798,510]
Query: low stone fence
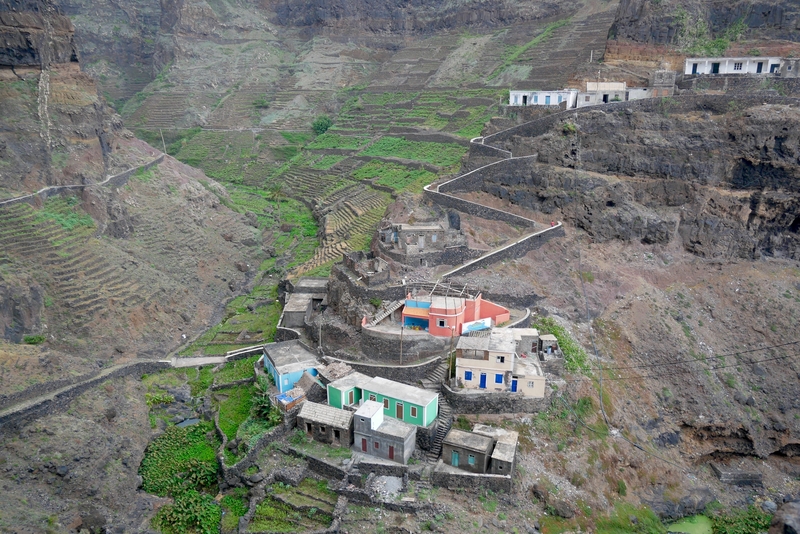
[514,250]
[235,474]
[385,346]
[116,180]
[496,483]
[12,420]
[400,373]
[383,469]
[494,402]
[43,388]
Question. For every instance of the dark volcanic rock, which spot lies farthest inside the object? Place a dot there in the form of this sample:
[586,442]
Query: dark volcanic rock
[787,519]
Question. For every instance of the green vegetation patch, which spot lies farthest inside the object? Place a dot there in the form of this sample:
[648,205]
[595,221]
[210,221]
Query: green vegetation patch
[440,154]
[326,162]
[66,212]
[619,522]
[272,515]
[297,138]
[575,358]
[234,409]
[332,140]
[236,370]
[750,519]
[513,53]
[234,506]
[398,177]
[182,464]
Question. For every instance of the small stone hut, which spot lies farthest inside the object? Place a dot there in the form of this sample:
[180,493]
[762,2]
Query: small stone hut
[326,424]
[467,451]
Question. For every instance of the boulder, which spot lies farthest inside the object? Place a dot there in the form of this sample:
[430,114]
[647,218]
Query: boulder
[563,509]
[787,519]
[540,493]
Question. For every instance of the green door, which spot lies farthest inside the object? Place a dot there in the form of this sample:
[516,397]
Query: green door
[454,459]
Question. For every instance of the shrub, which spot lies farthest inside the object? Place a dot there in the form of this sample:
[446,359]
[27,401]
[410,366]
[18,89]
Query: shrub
[622,488]
[569,128]
[34,340]
[321,124]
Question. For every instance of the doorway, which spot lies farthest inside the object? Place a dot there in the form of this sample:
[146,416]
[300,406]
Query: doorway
[524,100]
[694,68]
[398,412]
[391,452]
[715,68]
[759,67]
[363,444]
[483,381]
[514,385]
[547,100]
[454,459]
[605,99]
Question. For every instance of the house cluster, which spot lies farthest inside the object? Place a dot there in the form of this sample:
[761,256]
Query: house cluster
[376,416]
[419,243]
[504,359]
[662,83]
[447,316]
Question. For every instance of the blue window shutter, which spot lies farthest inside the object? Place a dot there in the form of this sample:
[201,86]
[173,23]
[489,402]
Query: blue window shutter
[498,378]
[467,375]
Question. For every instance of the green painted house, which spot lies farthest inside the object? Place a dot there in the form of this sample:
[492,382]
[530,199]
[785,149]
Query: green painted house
[346,391]
[412,405]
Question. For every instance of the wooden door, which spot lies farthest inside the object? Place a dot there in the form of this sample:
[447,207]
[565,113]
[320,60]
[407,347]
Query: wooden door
[399,410]
[363,444]
[391,452]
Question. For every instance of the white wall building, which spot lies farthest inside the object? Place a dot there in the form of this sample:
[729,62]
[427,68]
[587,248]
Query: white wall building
[543,98]
[732,65]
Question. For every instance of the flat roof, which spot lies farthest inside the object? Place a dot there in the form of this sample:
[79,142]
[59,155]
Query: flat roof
[502,340]
[527,367]
[520,332]
[298,302]
[395,428]
[311,285]
[369,408]
[468,440]
[335,371]
[354,379]
[290,356]
[504,452]
[322,413]
[410,311]
[472,343]
[548,337]
[500,434]
[447,302]
[421,227]
[403,392]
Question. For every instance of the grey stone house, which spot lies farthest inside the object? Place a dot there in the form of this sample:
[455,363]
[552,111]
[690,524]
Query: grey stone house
[326,424]
[387,438]
[505,448]
[467,451]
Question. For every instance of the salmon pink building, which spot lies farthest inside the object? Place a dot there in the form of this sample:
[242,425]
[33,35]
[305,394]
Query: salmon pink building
[446,316]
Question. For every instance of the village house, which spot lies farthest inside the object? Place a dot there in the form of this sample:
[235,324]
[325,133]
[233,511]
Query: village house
[326,424]
[543,98]
[287,361]
[500,360]
[467,451]
[732,65]
[504,452]
[413,405]
[445,316]
[602,93]
[484,450]
[385,438]
[306,296]
[422,243]
[347,390]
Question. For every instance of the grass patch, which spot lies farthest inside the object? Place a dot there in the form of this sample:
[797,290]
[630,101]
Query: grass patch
[65,212]
[440,154]
[619,521]
[297,138]
[326,162]
[332,140]
[398,177]
[236,370]
[575,358]
[234,506]
[513,53]
[745,521]
[235,409]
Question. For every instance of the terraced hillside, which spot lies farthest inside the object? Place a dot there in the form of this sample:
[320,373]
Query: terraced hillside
[117,269]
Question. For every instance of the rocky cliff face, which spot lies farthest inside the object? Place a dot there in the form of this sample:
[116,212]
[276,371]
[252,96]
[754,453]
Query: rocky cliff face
[722,185]
[665,22]
[415,16]
[33,33]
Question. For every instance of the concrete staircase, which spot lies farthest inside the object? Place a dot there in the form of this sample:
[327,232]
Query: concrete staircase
[386,312]
[433,382]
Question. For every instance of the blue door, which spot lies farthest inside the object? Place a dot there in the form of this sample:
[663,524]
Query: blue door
[547,100]
[483,381]
[513,385]
[454,459]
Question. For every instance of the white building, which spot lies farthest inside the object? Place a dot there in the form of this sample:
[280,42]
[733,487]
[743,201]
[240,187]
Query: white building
[602,93]
[732,65]
[543,98]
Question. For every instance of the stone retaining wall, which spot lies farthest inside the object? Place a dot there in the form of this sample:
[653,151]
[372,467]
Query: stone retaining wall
[60,402]
[385,346]
[383,469]
[496,483]
[399,373]
[37,390]
[516,250]
[118,180]
[494,403]
[742,83]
